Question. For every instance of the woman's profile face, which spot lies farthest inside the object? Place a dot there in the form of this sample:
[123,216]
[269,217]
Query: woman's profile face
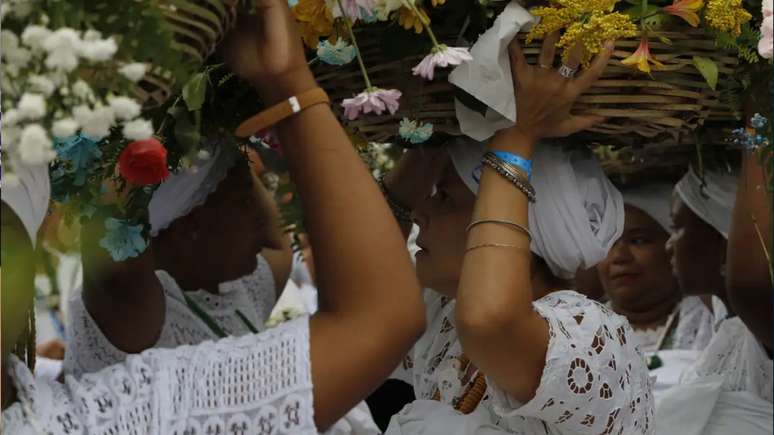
[16,277]
[442,219]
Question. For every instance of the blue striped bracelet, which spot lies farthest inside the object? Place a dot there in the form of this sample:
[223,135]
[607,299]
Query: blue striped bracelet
[515,160]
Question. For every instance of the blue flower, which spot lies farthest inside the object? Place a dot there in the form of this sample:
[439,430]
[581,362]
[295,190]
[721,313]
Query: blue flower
[123,240]
[414,132]
[79,151]
[758,121]
[340,53]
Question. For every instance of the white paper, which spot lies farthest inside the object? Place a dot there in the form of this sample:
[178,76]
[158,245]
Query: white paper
[488,76]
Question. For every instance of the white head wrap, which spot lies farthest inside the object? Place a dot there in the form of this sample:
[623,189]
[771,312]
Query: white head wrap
[489,73]
[713,200]
[655,199]
[184,191]
[578,215]
[28,196]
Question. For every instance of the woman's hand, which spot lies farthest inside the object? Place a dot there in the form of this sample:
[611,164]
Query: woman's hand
[544,97]
[265,49]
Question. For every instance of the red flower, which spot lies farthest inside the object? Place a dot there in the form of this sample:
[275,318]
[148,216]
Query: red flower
[144,162]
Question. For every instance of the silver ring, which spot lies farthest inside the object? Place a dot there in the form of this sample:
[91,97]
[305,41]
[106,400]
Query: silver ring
[567,72]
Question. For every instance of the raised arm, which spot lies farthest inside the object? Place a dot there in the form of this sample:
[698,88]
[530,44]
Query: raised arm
[748,278]
[364,274]
[499,329]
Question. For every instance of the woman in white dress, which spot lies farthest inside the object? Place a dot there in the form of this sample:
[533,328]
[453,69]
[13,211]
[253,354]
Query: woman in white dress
[508,348]
[729,387]
[216,279]
[638,278]
[257,383]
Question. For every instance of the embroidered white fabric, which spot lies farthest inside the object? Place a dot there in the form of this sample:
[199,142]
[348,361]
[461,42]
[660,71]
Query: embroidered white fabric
[728,389]
[88,350]
[255,384]
[695,325]
[735,355]
[693,331]
[595,380]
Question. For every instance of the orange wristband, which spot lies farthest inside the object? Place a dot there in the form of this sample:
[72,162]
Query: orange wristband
[281,110]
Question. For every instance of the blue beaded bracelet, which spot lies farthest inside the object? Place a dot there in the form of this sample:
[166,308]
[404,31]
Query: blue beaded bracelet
[515,160]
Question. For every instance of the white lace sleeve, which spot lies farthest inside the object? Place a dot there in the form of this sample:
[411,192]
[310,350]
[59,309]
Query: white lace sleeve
[595,380]
[255,384]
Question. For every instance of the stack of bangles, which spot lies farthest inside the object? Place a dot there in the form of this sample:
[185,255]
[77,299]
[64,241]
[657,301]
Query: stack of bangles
[513,168]
[518,171]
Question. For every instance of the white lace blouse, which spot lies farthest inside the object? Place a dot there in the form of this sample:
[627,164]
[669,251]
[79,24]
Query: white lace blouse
[255,384]
[693,330]
[241,305]
[595,380]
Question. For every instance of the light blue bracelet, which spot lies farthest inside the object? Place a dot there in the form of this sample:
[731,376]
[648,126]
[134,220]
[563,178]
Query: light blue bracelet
[515,160]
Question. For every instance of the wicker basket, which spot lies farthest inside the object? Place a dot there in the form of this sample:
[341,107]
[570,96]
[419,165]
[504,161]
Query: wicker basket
[673,102]
[198,26]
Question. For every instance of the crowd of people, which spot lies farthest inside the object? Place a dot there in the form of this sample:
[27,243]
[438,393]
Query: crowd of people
[510,284]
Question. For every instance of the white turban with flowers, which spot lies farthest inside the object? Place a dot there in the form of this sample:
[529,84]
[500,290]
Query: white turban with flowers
[578,215]
[188,189]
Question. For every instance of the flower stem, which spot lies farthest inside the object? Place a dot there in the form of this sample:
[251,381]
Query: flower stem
[357,49]
[425,23]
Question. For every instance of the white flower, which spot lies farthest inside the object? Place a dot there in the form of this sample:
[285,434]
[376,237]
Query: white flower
[33,36]
[10,117]
[62,46]
[96,122]
[99,50]
[92,35]
[35,146]
[41,84]
[133,71]
[124,107]
[8,40]
[442,56]
[82,90]
[17,56]
[138,129]
[64,128]
[203,155]
[32,106]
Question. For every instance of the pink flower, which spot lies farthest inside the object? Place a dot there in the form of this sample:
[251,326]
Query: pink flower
[442,56]
[768,8]
[371,100]
[767,38]
[353,9]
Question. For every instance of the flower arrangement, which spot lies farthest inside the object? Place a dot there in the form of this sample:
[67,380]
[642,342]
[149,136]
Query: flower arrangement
[73,78]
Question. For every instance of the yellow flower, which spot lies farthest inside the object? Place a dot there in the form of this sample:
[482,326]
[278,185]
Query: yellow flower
[727,16]
[594,32]
[587,22]
[315,20]
[408,19]
[437,3]
[686,9]
[642,58]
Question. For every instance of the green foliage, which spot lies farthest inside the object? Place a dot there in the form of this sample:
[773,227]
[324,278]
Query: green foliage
[745,46]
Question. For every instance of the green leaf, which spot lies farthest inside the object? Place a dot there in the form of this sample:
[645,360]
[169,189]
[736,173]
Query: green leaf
[665,40]
[708,68]
[194,91]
